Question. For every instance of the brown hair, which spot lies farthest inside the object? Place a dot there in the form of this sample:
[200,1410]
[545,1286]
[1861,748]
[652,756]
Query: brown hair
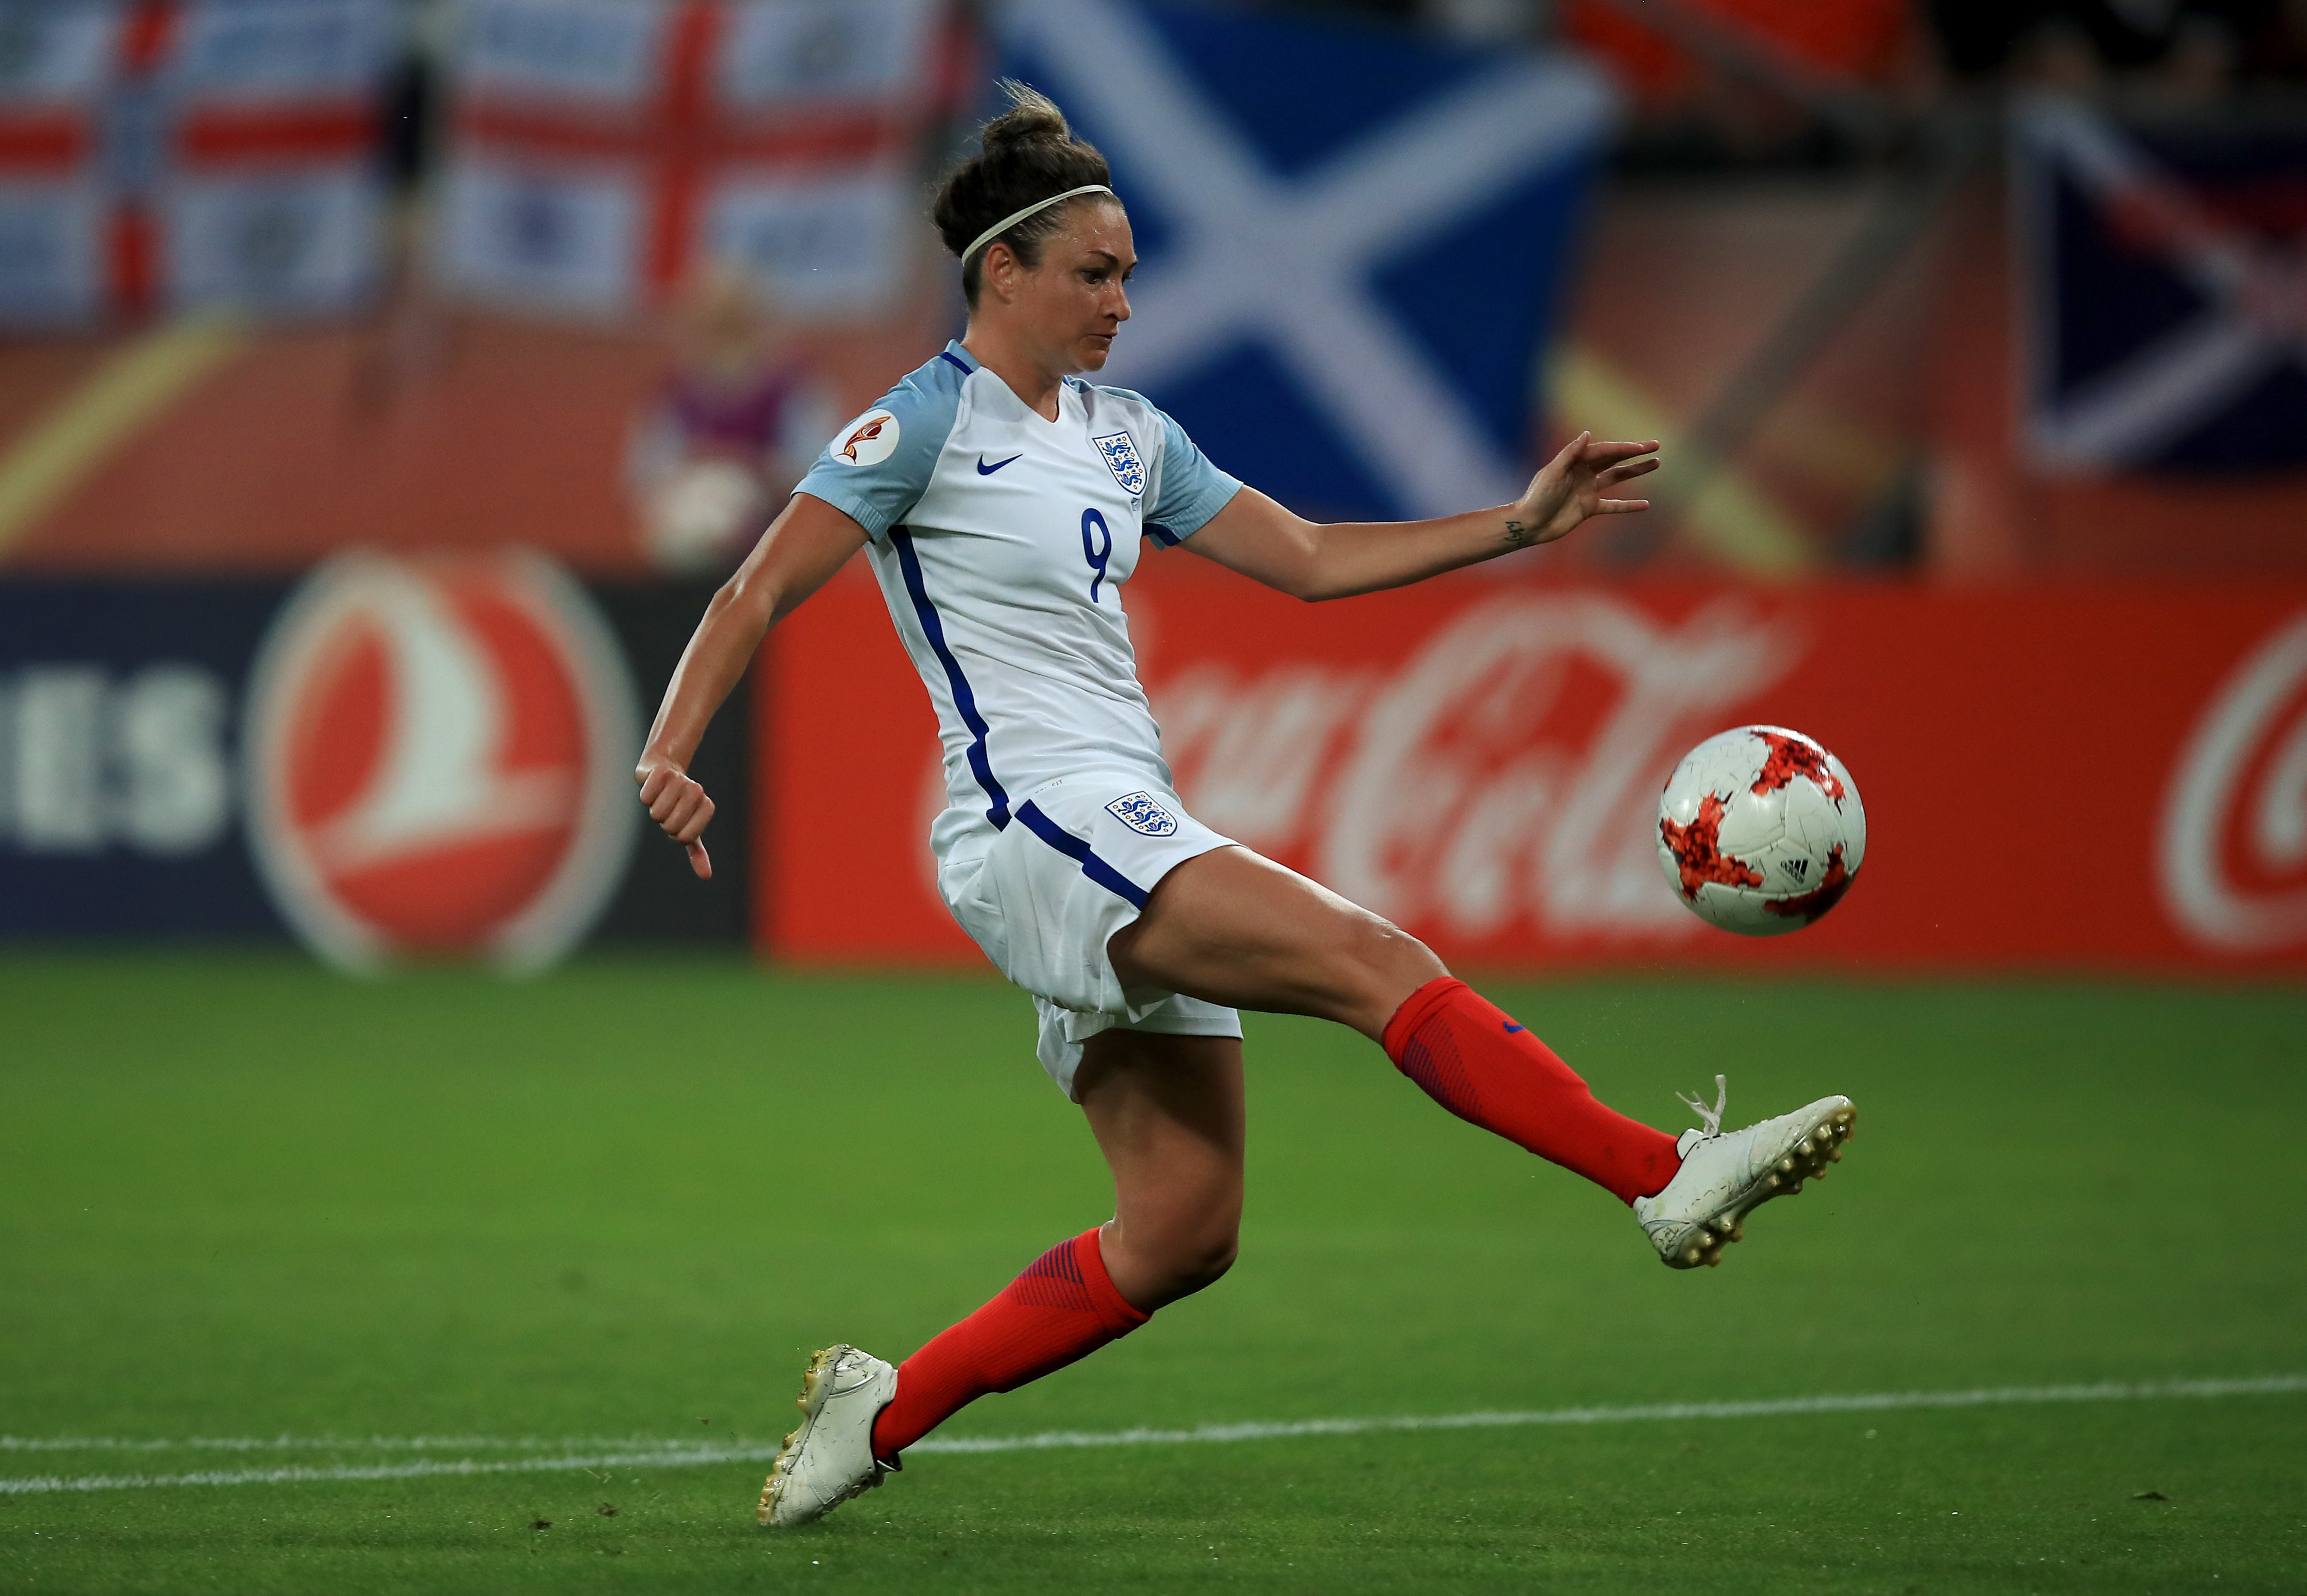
[1026,153]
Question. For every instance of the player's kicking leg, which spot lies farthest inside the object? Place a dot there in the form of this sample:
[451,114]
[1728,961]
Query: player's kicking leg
[1166,1111]
[1232,928]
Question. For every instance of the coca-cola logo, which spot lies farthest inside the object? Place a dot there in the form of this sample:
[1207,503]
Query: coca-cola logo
[2234,827]
[438,759]
[1508,773]
[1504,775]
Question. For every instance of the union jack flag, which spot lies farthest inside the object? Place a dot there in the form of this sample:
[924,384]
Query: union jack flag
[2165,286]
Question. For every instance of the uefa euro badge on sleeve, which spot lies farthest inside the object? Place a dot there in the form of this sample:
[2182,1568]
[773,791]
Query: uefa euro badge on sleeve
[1129,471]
[869,440]
[1138,811]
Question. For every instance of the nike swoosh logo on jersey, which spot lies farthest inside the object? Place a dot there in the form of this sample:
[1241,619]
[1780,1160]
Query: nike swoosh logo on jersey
[985,470]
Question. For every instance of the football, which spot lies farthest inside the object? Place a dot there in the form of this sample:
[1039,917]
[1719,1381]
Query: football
[1760,831]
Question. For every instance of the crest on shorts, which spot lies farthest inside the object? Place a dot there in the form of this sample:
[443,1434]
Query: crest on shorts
[1141,814]
[1121,459]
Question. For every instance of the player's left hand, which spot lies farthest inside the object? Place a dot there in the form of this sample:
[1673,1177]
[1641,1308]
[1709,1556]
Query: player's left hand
[1569,488]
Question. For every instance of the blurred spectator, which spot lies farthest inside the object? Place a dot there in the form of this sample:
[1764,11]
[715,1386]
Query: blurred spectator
[732,429]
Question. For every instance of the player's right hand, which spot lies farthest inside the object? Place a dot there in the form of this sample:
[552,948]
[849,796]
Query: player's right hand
[677,802]
[1568,490]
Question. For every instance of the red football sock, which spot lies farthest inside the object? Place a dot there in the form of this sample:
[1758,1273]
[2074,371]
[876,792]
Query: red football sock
[1064,1307]
[1483,1068]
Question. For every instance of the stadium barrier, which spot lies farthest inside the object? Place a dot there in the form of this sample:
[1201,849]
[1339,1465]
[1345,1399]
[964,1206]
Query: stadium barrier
[389,757]
[2107,778]
[431,757]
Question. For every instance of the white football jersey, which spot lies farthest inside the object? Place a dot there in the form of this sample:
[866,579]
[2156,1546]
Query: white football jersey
[1002,541]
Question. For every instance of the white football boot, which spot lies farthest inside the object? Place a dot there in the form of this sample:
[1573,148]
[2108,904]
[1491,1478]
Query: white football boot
[1725,1178]
[829,1459]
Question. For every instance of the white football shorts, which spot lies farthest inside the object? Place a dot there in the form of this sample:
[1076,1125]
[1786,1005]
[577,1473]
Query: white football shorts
[1046,894]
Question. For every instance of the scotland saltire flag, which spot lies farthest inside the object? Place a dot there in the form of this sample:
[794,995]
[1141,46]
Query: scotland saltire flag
[2165,286]
[1352,240]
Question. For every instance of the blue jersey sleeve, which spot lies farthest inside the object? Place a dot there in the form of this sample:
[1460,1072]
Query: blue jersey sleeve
[877,467]
[1191,490]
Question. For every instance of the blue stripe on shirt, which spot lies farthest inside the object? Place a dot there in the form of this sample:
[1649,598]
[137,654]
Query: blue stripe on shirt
[964,702]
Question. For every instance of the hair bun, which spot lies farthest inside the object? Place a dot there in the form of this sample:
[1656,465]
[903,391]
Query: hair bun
[1028,155]
[1032,118]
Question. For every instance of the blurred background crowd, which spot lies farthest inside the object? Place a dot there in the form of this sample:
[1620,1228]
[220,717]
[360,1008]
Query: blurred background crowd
[1898,283]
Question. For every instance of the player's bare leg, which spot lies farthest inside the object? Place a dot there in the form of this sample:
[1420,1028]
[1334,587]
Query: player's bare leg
[1236,928]
[1167,1110]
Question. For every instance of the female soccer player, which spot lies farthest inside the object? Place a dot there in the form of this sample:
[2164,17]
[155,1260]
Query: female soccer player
[1004,503]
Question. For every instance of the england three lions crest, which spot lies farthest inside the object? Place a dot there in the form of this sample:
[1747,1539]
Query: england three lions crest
[1141,814]
[1121,459]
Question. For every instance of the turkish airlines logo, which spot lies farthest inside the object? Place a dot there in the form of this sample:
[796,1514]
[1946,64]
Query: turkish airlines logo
[2234,829]
[438,761]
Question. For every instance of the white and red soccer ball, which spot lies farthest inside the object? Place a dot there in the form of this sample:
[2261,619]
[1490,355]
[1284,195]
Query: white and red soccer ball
[1760,831]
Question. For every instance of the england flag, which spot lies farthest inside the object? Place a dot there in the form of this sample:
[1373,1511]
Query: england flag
[602,147]
[1352,240]
[2166,286]
[181,153]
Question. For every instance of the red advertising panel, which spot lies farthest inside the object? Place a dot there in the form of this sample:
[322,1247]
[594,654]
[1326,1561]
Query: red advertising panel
[2110,778]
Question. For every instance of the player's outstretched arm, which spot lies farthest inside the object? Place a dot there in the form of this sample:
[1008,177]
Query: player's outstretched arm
[1257,537]
[807,542]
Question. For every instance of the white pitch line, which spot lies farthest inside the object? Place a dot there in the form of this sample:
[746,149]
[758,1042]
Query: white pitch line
[662,1457]
[1769,1408]
[333,1442]
[676,1454]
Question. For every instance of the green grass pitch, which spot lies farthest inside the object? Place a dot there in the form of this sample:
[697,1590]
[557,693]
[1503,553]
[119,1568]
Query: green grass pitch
[239,1198]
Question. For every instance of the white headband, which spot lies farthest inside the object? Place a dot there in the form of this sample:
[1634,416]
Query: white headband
[1036,208]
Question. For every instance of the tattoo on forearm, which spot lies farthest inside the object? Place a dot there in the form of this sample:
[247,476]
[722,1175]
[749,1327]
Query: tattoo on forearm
[1518,535]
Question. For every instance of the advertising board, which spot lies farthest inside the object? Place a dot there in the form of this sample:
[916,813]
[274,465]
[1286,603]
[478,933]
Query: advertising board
[389,758]
[2102,778]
